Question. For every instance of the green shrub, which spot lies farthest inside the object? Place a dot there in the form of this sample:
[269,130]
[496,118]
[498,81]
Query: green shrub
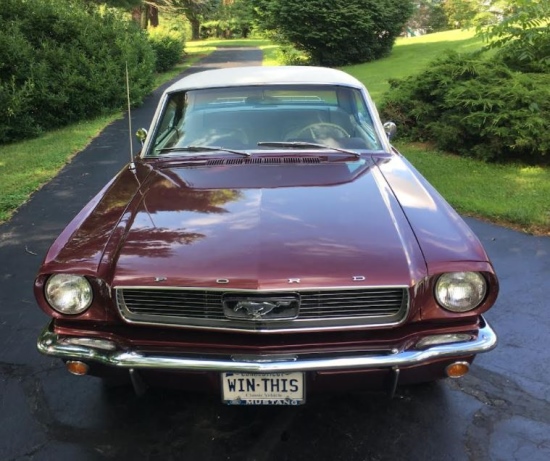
[474,106]
[61,62]
[289,56]
[537,61]
[168,46]
[335,32]
[16,120]
[16,85]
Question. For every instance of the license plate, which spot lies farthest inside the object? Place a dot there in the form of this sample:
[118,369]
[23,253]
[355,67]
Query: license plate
[263,389]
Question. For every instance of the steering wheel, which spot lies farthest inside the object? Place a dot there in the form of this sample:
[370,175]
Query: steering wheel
[322,130]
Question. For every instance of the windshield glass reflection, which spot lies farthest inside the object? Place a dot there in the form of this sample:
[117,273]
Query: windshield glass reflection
[241,117]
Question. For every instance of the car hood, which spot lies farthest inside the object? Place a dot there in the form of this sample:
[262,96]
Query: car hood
[267,227]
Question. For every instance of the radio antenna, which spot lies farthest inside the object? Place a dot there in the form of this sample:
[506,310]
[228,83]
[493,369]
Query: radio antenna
[132,165]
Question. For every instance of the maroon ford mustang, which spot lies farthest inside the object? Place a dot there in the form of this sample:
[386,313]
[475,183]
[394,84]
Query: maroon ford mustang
[267,242]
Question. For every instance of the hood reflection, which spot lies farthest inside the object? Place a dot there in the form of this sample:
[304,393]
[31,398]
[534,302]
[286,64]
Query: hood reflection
[160,225]
[191,229]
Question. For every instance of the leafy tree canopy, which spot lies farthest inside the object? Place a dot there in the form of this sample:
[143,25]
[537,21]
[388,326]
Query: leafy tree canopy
[428,16]
[335,32]
[523,34]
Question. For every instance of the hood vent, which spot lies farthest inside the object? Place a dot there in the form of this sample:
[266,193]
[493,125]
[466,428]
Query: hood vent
[267,161]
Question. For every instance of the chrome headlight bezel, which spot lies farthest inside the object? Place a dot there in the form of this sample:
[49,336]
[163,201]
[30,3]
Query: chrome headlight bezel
[460,292]
[68,294]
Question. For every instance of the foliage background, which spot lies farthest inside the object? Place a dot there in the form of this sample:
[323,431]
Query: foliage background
[492,105]
[61,62]
[334,32]
[474,106]
[168,45]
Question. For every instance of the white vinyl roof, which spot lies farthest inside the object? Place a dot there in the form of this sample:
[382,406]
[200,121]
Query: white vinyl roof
[242,76]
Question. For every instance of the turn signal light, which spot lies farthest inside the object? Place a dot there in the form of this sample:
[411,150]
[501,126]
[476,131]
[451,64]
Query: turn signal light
[77,368]
[457,369]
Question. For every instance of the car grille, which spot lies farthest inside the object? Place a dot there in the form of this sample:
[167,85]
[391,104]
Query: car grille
[318,309]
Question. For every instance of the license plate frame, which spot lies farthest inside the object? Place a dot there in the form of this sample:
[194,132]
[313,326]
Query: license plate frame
[263,388]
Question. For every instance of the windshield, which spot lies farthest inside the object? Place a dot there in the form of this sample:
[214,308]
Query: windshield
[253,118]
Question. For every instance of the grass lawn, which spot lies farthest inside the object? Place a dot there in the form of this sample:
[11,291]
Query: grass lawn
[26,166]
[410,56]
[512,195]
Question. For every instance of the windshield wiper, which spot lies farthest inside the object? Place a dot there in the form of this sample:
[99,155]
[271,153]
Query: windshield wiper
[305,145]
[203,149]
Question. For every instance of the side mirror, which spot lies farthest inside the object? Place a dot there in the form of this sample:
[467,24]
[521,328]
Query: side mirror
[390,128]
[141,134]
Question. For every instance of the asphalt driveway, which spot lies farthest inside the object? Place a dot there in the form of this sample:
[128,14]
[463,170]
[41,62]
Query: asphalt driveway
[500,411]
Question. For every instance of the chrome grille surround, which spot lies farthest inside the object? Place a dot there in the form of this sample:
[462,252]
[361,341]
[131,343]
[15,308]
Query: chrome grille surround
[320,309]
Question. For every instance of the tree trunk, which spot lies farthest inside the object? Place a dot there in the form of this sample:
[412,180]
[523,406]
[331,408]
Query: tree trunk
[153,16]
[136,14]
[144,16]
[195,28]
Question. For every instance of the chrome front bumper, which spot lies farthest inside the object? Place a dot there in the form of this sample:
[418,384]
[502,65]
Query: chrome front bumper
[111,354]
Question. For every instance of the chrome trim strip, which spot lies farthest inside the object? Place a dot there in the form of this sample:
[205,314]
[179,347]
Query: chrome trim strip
[50,343]
[297,329]
[261,290]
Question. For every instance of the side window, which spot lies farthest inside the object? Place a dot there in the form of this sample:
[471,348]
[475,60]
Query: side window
[361,108]
[364,120]
[168,130]
[167,122]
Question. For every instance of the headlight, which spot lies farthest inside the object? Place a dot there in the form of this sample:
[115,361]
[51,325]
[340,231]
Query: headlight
[460,291]
[68,294]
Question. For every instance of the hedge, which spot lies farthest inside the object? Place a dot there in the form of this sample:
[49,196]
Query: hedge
[475,106]
[168,46]
[61,62]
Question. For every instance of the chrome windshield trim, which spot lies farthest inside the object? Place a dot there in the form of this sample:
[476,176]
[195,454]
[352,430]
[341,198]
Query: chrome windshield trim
[52,344]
